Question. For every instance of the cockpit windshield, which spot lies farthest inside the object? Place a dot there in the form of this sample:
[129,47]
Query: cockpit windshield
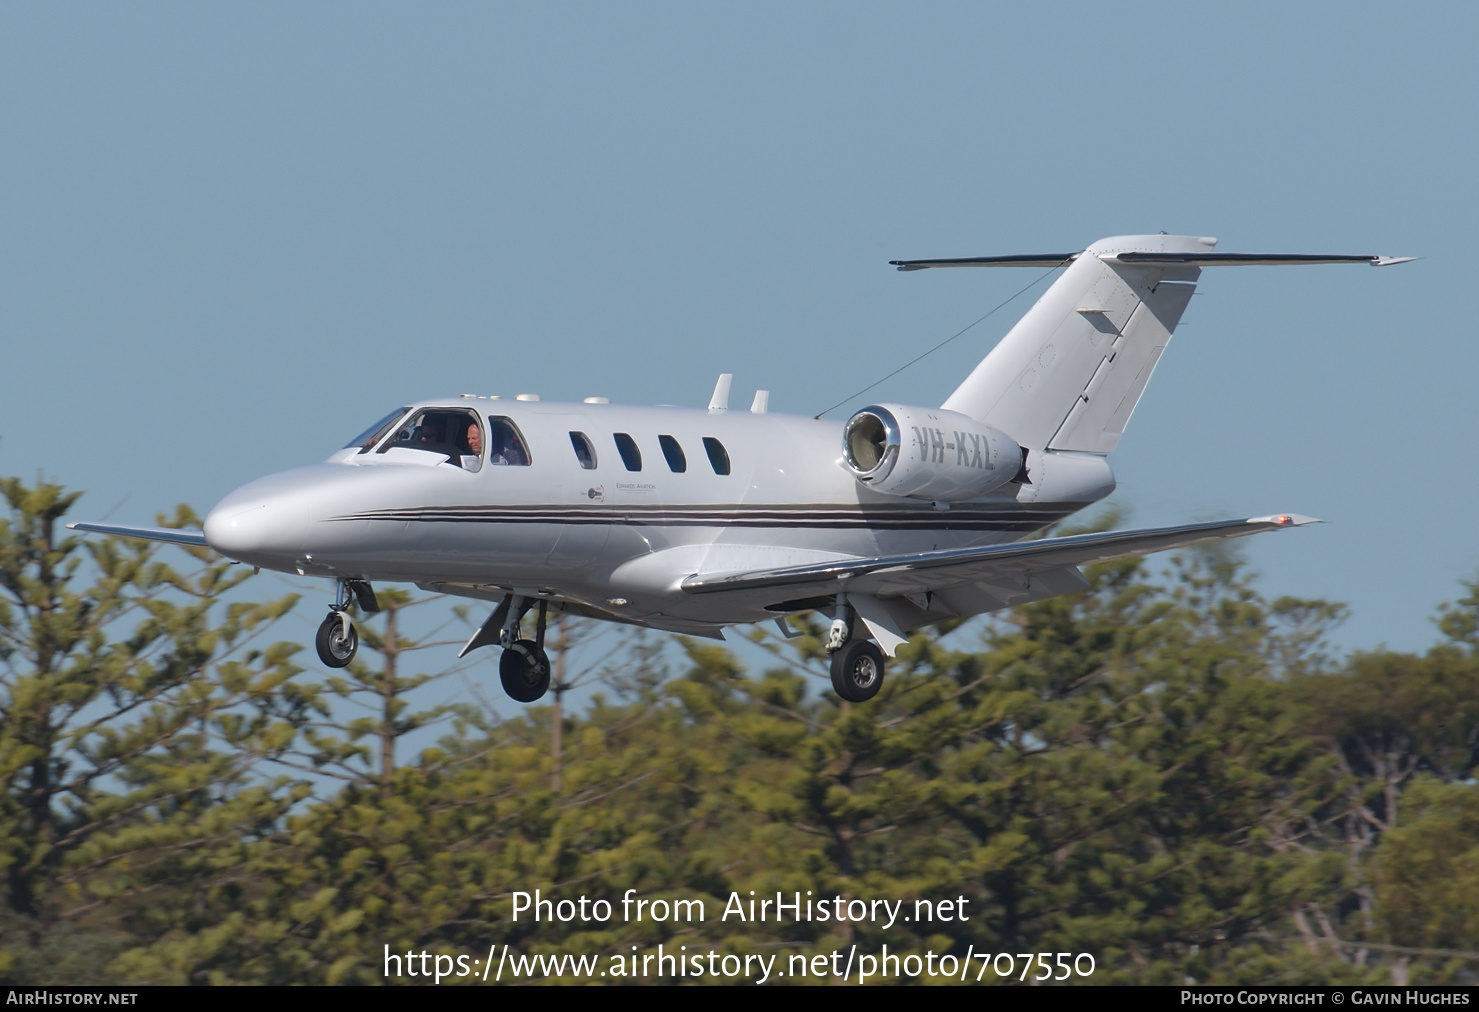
[455,433]
[365,440]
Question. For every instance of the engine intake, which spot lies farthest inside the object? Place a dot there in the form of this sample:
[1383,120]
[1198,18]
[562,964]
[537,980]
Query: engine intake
[927,453]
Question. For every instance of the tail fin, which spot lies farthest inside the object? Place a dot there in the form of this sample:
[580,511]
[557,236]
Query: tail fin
[1069,374]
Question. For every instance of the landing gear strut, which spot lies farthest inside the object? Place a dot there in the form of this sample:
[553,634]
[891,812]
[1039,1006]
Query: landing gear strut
[337,639]
[524,667]
[857,665]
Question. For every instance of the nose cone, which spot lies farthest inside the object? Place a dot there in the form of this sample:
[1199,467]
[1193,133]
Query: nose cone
[262,524]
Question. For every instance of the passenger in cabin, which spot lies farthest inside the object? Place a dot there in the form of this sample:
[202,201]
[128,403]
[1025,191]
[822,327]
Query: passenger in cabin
[505,445]
[470,447]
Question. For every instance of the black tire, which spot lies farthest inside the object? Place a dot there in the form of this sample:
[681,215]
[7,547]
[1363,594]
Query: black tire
[524,671]
[335,648]
[857,670]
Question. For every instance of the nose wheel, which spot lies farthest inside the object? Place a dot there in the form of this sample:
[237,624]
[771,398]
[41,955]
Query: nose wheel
[337,640]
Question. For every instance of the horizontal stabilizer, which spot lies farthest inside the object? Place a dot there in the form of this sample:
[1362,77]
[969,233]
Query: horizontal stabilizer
[1069,375]
[169,535]
[957,565]
[1247,259]
[1143,257]
[1020,260]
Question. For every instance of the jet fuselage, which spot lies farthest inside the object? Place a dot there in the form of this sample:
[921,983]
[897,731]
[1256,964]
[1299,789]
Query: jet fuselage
[581,516]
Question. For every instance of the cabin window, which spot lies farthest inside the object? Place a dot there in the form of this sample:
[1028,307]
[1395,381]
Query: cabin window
[630,455]
[585,450]
[677,463]
[366,440]
[452,432]
[718,456]
[505,443]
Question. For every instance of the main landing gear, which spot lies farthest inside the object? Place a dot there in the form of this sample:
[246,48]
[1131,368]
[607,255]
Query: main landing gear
[857,671]
[524,667]
[337,640]
[857,664]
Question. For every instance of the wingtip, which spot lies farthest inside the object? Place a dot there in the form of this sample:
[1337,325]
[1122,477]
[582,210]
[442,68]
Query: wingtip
[166,535]
[1286,520]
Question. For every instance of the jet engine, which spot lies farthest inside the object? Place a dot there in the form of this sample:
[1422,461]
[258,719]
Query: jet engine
[927,453]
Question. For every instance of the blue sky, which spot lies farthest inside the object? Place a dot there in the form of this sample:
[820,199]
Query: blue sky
[235,235]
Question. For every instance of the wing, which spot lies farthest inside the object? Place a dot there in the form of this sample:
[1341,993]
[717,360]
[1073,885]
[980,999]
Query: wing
[195,539]
[901,575]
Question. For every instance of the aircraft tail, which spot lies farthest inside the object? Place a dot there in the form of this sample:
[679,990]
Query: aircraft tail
[1069,374]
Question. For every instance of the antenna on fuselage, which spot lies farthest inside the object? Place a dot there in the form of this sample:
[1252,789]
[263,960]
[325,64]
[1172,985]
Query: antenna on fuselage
[720,400]
[761,404]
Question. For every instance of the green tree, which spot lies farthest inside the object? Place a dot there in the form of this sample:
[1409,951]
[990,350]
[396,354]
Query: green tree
[121,734]
[1120,772]
[1157,783]
[431,860]
[1425,880]
[348,727]
[1388,721]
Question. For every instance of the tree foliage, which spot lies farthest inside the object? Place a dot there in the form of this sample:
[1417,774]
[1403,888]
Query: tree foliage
[1167,771]
[124,751]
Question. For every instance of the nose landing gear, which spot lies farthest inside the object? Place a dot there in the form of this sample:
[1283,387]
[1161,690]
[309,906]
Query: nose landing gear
[337,641]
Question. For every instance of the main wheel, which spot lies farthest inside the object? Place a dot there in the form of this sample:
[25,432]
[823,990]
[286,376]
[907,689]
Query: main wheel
[336,641]
[524,671]
[857,670]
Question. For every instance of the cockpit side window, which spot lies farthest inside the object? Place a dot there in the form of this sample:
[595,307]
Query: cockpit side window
[452,432]
[366,440]
[505,443]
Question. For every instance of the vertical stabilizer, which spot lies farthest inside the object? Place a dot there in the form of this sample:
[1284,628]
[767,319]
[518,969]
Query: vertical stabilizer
[1068,375]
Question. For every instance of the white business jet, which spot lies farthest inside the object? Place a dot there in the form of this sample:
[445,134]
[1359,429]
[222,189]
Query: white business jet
[693,520]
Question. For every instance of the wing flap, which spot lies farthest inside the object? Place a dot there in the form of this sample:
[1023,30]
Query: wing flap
[902,574]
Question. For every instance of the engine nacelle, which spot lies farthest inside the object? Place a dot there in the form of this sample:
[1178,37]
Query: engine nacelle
[927,453]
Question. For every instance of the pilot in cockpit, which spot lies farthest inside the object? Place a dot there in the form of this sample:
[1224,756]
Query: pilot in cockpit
[429,434]
[441,432]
